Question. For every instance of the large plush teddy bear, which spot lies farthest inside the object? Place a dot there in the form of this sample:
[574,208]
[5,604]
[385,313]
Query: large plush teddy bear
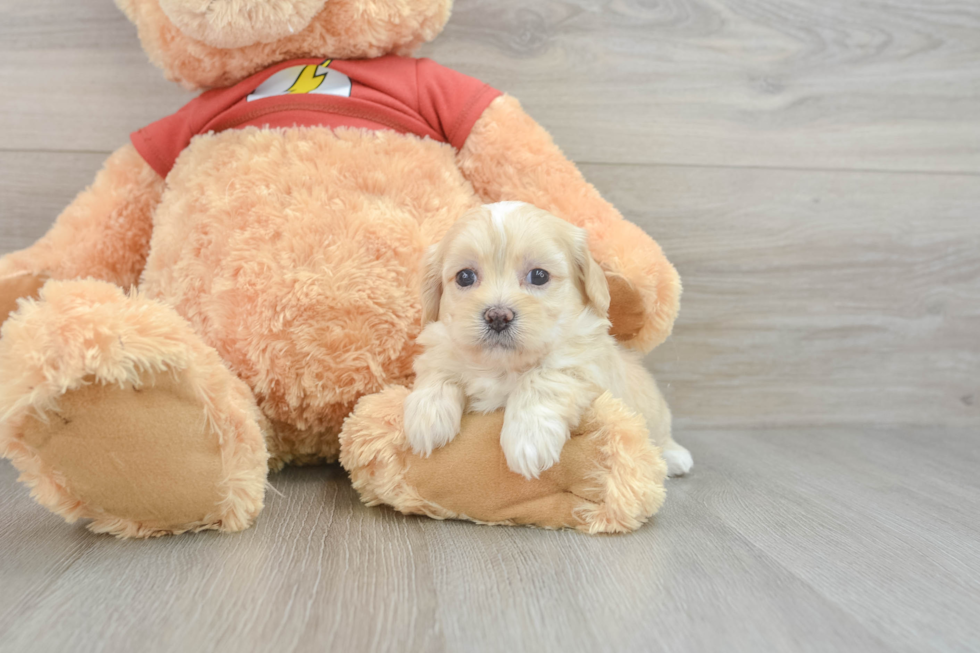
[246,270]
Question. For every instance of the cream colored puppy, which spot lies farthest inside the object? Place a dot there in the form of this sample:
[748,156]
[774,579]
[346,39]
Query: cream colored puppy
[515,310]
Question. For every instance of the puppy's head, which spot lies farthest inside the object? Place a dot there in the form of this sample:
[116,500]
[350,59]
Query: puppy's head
[508,278]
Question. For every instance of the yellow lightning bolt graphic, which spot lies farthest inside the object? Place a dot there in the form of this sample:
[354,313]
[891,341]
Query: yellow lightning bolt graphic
[308,80]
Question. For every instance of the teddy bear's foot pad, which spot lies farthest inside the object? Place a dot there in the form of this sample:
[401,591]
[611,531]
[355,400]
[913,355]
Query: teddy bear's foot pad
[114,410]
[143,455]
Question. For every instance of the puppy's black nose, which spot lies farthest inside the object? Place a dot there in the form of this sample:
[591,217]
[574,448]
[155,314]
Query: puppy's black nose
[498,318]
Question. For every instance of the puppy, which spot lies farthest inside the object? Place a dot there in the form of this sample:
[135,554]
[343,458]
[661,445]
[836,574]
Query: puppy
[515,313]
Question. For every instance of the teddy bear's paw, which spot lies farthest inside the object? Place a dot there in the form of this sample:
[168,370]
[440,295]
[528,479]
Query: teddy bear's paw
[114,411]
[611,462]
[609,477]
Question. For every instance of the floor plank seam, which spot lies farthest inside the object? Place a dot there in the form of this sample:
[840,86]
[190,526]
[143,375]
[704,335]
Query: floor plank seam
[722,166]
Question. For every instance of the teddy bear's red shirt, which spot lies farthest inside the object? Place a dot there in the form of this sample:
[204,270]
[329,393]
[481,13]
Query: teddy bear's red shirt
[411,96]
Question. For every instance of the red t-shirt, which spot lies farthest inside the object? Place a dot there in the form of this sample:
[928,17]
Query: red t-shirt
[410,96]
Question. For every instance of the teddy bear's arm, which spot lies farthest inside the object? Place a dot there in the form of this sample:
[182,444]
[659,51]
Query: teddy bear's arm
[609,479]
[104,233]
[508,156]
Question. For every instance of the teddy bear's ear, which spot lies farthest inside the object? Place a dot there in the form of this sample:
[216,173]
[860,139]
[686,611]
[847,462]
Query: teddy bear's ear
[239,23]
[431,284]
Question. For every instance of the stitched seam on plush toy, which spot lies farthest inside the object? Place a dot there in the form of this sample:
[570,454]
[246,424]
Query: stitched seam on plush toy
[579,496]
[464,114]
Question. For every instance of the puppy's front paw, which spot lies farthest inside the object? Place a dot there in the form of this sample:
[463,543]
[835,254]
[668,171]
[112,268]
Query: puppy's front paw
[532,443]
[432,416]
[678,459]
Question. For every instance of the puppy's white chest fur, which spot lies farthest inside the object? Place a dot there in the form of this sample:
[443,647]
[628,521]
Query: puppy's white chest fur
[488,391]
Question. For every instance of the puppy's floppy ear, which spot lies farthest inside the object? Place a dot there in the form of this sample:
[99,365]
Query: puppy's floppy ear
[431,284]
[591,278]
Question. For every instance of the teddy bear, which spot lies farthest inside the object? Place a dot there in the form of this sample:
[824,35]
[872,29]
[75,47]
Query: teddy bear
[238,290]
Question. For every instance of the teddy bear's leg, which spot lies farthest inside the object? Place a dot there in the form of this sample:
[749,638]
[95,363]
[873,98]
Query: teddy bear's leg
[114,410]
[609,478]
[508,156]
[104,233]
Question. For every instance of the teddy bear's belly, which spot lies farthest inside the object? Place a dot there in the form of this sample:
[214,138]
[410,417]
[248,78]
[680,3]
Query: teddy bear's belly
[296,254]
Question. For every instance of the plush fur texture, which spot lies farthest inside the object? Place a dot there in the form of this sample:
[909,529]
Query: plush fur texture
[629,473]
[538,173]
[610,479]
[89,332]
[343,29]
[550,358]
[308,287]
[239,23]
[105,232]
[375,452]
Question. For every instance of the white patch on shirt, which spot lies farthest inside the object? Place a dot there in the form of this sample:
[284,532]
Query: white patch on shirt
[314,79]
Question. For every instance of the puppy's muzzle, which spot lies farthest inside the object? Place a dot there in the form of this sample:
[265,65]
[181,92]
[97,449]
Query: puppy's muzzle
[498,318]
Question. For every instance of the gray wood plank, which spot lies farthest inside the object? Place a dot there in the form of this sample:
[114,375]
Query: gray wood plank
[35,187]
[868,523]
[891,84]
[770,546]
[814,297]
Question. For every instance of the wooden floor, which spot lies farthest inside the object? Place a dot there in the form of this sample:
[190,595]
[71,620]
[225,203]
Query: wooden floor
[812,168]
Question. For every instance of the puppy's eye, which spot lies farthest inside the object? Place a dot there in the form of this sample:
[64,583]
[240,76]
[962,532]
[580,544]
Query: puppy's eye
[466,278]
[538,277]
